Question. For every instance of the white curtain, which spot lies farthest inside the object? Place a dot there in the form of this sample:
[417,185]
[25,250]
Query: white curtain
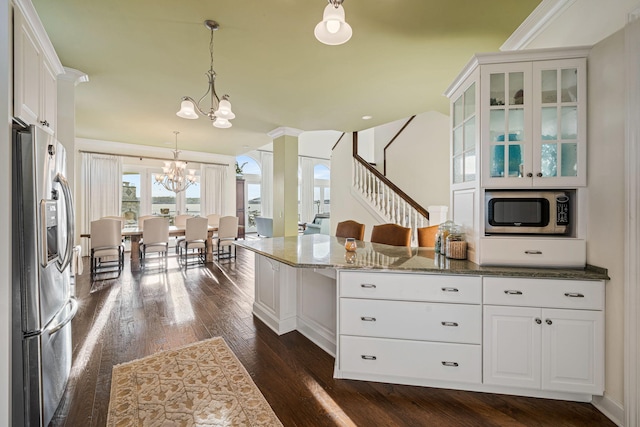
[307,180]
[101,190]
[266,186]
[213,184]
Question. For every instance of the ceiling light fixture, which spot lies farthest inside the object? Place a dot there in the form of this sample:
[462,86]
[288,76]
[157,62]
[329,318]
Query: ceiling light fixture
[174,176]
[333,29]
[220,110]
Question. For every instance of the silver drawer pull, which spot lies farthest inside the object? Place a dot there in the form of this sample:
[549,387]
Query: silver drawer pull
[450,363]
[511,292]
[533,252]
[449,289]
[368,319]
[449,323]
[368,285]
[367,357]
[573,295]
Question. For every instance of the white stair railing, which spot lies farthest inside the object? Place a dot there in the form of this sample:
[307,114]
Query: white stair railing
[386,201]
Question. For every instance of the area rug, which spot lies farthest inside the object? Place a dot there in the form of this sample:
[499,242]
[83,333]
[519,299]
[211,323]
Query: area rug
[202,384]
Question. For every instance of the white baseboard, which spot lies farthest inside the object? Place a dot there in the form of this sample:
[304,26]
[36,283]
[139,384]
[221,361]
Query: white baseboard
[610,408]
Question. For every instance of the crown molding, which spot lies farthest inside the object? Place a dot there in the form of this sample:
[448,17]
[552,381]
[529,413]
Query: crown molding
[535,23]
[73,75]
[33,20]
[281,131]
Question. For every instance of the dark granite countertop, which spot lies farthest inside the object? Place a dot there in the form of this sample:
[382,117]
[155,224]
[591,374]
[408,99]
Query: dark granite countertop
[322,251]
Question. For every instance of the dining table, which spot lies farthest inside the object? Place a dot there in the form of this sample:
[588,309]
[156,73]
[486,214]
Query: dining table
[135,235]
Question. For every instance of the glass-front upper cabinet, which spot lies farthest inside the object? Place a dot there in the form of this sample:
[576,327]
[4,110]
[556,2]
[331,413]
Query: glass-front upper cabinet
[464,137]
[506,124]
[559,122]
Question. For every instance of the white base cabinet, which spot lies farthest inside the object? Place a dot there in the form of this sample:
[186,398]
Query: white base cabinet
[409,328]
[531,346]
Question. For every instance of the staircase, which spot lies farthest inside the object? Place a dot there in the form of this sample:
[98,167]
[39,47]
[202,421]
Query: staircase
[383,198]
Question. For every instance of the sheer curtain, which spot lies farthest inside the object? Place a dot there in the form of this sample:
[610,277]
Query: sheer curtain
[307,181]
[213,183]
[266,186]
[101,190]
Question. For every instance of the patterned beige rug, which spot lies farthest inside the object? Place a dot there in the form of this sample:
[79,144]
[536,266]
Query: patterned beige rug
[202,384]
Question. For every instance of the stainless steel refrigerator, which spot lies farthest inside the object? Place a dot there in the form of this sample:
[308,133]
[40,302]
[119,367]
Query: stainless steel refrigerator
[42,300]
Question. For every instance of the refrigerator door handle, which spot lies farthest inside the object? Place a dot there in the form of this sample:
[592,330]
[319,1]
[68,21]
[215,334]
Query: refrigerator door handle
[52,329]
[68,253]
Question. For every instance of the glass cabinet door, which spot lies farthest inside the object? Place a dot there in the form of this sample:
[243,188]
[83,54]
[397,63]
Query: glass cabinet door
[559,123]
[464,137]
[505,100]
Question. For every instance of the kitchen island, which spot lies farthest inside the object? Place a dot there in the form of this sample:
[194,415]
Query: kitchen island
[410,316]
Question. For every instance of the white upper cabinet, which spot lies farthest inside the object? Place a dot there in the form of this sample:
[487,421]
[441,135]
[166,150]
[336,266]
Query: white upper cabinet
[534,126]
[36,68]
[529,110]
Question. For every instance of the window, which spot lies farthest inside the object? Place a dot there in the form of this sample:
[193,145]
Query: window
[192,201]
[163,201]
[321,189]
[131,198]
[252,174]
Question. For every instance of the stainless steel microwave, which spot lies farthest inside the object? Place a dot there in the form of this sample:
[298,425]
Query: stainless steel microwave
[528,212]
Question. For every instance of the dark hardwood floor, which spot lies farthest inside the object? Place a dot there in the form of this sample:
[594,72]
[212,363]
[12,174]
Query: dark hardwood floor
[139,314]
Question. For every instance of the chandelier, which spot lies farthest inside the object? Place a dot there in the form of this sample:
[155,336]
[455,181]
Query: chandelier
[333,29]
[174,176]
[219,110]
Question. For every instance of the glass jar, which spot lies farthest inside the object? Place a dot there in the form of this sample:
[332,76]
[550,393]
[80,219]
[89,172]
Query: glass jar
[350,244]
[444,230]
[456,244]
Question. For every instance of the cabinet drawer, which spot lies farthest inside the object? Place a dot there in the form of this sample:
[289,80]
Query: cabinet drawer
[549,252]
[460,323]
[411,287]
[412,359]
[576,294]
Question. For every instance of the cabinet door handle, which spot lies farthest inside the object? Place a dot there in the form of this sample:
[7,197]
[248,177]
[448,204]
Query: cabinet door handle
[529,175]
[367,357]
[368,285]
[449,323]
[538,320]
[549,322]
[512,292]
[533,252]
[368,319]
[449,289]
[573,295]
[449,363]
[539,174]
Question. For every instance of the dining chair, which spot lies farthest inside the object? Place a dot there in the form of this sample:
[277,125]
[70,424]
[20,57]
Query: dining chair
[155,238]
[195,240]
[350,228]
[181,220]
[119,218]
[107,250]
[391,234]
[227,234]
[142,219]
[214,219]
[427,236]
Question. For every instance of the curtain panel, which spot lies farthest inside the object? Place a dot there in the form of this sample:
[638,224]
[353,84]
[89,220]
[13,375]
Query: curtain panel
[101,176]
[266,186]
[307,181]
[213,184]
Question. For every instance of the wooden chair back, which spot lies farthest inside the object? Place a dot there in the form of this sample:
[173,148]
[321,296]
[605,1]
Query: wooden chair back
[350,228]
[391,234]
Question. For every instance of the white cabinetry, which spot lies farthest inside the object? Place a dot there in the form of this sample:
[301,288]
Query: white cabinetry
[533,124]
[36,68]
[544,334]
[409,328]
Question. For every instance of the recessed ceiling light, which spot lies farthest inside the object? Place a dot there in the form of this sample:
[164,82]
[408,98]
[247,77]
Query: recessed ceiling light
[367,117]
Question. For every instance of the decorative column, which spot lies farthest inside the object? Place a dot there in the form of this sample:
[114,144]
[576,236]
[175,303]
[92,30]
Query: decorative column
[285,181]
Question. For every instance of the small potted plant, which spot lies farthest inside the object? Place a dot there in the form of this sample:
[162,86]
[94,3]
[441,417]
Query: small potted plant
[239,169]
